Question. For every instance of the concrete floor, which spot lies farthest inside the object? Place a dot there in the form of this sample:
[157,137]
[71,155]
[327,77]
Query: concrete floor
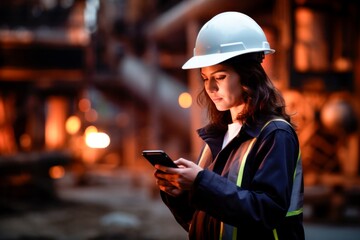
[119,205]
[331,232]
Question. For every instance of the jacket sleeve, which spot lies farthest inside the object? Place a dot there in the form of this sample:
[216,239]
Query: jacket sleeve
[179,207]
[266,199]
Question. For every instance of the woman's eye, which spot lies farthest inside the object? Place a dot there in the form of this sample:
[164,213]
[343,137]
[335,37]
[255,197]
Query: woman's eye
[220,77]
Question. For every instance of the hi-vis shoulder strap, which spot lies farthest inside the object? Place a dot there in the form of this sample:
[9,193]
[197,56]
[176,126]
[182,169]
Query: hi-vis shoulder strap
[230,232]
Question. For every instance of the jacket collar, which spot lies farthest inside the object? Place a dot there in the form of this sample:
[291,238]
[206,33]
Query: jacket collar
[213,136]
[213,132]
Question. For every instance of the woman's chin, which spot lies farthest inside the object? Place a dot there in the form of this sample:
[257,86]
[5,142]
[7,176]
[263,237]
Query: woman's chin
[222,109]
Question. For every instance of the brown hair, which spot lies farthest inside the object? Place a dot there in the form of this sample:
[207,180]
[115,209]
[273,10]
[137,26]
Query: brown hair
[262,100]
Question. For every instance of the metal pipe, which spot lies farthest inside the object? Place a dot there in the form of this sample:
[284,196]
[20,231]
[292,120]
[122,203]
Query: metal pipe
[177,17]
[139,78]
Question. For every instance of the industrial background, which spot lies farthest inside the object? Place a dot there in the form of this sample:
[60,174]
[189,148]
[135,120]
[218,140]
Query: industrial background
[86,85]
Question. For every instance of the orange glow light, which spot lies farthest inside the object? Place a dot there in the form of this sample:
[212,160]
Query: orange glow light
[25,141]
[72,124]
[90,129]
[55,122]
[91,115]
[97,140]
[84,105]
[56,172]
[185,100]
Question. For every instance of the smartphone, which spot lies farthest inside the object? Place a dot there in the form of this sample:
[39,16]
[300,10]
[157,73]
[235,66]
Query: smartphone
[158,157]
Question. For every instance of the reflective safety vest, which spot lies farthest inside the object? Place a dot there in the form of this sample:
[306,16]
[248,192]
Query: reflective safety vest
[296,202]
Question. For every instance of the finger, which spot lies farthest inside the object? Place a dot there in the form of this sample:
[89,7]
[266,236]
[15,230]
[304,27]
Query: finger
[159,174]
[183,162]
[163,176]
[160,168]
[164,183]
[166,169]
[173,191]
[162,188]
[167,189]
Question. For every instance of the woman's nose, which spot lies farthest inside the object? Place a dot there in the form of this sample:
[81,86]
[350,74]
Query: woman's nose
[211,85]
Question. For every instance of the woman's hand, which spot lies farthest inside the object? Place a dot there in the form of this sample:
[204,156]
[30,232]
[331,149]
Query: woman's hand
[174,180]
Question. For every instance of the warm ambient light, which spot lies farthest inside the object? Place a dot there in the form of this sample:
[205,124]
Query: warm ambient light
[91,115]
[73,124]
[90,129]
[84,105]
[25,141]
[56,172]
[185,100]
[97,140]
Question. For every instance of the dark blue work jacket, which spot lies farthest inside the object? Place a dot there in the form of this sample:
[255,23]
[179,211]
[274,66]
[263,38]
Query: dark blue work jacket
[250,189]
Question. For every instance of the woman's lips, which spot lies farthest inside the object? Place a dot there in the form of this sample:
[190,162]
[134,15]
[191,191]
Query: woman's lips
[217,99]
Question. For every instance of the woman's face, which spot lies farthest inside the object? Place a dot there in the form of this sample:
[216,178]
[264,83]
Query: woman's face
[222,84]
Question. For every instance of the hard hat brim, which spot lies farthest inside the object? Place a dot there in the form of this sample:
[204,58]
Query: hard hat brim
[216,58]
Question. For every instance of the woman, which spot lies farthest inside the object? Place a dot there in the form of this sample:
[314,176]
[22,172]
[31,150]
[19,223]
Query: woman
[247,183]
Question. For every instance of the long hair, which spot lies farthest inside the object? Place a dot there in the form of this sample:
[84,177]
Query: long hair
[262,100]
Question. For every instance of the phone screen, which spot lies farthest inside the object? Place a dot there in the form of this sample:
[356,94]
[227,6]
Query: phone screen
[158,157]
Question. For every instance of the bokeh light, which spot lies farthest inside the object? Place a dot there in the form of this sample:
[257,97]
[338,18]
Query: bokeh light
[97,140]
[84,105]
[57,172]
[73,125]
[185,100]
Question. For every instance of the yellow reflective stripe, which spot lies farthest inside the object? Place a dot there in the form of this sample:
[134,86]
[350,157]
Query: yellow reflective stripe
[242,164]
[276,119]
[275,234]
[239,181]
[294,213]
[202,159]
[298,211]
[234,236]
[298,159]
[221,230]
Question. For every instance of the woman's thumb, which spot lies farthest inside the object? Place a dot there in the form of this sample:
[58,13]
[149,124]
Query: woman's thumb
[183,162]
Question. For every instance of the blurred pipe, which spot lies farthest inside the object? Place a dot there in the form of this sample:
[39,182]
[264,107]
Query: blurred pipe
[198,114]
[177,17]
[71,36]
[55,122]
[155,116]
[140,79]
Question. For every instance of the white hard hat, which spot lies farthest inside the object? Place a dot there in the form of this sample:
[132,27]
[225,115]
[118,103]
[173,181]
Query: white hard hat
[227,35]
